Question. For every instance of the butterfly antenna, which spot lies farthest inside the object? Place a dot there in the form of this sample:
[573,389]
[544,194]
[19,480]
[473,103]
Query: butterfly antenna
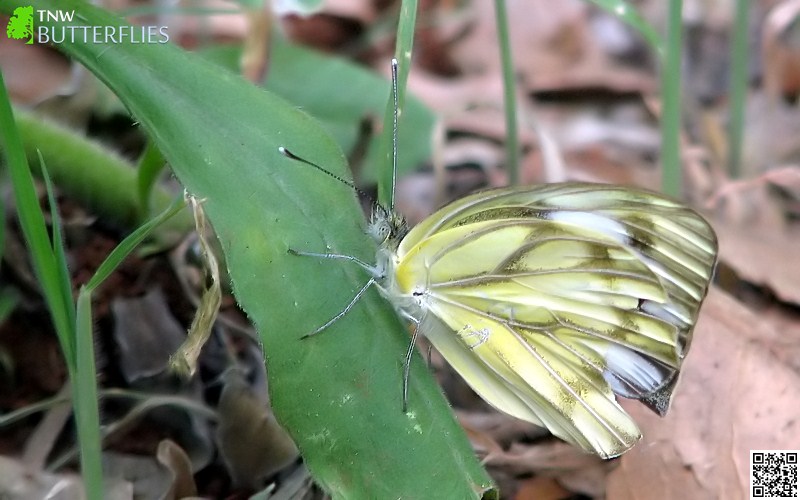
[395,116]
[285,152]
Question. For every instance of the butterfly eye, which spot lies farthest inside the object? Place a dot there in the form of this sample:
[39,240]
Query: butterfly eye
[384,231]
[380,230]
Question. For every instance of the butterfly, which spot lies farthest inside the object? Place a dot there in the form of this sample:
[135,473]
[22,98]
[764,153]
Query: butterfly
[550,301]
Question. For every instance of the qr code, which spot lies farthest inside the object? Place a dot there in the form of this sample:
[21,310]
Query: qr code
[773,474]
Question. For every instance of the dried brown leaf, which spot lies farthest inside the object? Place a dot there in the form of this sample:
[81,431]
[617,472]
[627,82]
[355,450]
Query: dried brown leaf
[781,56]
[763,257]
[251,442]
[541,488]
[32,73]
[785,339]
[571,467]
[146,333]
[173,458]
[735,395]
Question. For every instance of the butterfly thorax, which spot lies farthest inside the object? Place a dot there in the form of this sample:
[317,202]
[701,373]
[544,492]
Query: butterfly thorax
[388,228]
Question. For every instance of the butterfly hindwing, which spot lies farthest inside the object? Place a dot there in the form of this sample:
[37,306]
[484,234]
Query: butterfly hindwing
[550,300]
[540,382]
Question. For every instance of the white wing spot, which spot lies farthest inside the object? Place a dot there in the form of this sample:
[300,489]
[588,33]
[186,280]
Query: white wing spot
[594,221]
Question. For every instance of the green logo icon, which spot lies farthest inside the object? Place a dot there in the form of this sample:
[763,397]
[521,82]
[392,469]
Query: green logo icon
[20,24]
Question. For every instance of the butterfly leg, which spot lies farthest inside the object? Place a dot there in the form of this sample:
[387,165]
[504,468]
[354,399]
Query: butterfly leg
[409,354]
[407,363]
[370,268]
[343,311]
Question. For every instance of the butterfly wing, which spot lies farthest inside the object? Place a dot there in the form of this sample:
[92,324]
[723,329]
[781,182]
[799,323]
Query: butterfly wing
[548,301]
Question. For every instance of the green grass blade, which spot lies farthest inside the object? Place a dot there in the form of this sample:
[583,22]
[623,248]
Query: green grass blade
[50,266]
[84,376]
[85,397]
[738,93]
[85,401]
[59,247]
[34,229]
[669,55]
[671,167]
[509,91]
[126,246]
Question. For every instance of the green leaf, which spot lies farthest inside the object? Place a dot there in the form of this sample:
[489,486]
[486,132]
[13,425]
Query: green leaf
[338,393]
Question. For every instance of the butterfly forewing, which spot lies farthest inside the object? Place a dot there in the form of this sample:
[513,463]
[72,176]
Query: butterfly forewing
[550,300]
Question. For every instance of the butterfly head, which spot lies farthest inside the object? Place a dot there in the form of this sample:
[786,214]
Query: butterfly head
[386,227]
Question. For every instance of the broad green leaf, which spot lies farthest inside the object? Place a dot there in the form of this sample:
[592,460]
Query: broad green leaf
[339,393]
